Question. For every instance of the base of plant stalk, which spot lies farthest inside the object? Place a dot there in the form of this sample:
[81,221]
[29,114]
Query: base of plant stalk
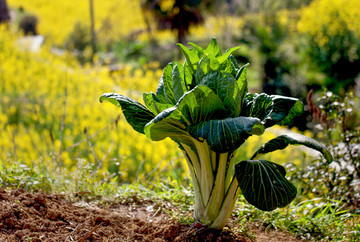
[225,210]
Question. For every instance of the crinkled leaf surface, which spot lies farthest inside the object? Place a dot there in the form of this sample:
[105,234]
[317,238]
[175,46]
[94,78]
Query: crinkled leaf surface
[264,185]
[272,109]
[226,87]
[258,105]
[202,69]
[230,66]
[227,134]
[234,65]
[201,104]
[164,91]
[285,109]
[178,80]
[197,105]
[283,141]
[189,79]
[135,113]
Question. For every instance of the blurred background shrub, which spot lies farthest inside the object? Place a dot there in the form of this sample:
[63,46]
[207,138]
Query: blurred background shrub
[336,124]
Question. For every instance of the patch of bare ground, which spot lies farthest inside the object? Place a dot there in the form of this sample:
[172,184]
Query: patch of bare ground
[28,216]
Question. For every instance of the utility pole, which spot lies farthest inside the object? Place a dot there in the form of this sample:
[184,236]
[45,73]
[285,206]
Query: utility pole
[92,29]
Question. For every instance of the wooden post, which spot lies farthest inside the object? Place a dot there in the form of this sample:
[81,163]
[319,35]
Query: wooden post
[92,29]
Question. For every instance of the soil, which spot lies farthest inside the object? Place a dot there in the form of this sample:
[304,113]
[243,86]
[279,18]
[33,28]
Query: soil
[38,216]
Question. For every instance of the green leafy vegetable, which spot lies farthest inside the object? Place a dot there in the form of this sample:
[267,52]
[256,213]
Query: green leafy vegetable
[264,185]
[281,142]
[135,113]
[203,105]
[227,134]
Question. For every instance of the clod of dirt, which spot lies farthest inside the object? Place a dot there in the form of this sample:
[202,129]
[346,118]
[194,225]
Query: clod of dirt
[43,217]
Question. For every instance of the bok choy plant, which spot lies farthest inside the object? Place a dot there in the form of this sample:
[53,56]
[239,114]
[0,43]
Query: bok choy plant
[203,106]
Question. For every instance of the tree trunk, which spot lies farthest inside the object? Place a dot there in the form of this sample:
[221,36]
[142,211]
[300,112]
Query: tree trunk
[4,13]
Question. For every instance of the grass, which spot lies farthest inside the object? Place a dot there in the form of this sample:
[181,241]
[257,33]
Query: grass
[316,219]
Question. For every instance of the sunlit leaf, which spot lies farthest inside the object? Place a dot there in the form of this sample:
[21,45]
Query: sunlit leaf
[135,113]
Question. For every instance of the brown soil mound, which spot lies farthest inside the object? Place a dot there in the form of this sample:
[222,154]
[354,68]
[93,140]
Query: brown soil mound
[26,216]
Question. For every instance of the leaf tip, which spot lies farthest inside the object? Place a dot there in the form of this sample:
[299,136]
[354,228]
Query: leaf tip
[328,157]
[103,97]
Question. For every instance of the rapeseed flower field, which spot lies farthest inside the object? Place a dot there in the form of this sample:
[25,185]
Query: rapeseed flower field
[49,109]
[50,115]
[56,19]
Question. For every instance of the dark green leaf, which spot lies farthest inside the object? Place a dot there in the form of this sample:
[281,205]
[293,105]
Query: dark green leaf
[206,65]
[189,79]
[264,185]
[258,105]
[241,75]
[227,134]
[202,69]
[242,83]
[226,87]
[135,113]
[272,109]
[229,67]
[286,109]
[178,81]
[235,67]
[201,104]
[283,141]
[164,91]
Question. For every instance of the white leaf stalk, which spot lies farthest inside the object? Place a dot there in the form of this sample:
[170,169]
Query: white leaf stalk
[215,187]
